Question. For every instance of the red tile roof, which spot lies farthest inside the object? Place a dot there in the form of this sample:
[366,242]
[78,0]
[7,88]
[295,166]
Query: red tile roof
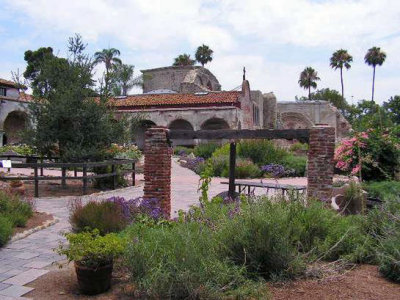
[165,100]
[7,82]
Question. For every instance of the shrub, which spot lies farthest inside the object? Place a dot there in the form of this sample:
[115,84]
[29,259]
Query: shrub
[106,216]
[383,190]
[19,149]
[108,182]
[196,164]
[296,163]
[298,147]
[6,228]
[389,257]
[17,211]
[181,262]
[182,151]
[219,164]
[205,150]
[261,152]
[245,168]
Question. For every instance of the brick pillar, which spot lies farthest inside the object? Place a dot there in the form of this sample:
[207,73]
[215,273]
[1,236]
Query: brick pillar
[320,163]
[157,167]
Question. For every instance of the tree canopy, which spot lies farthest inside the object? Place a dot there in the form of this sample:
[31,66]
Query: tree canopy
[183,60]
[341,59]
[204,54]
[374,57]
[68,121]
[308,79]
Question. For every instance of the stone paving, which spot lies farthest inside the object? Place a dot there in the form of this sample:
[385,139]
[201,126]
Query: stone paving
[23,261]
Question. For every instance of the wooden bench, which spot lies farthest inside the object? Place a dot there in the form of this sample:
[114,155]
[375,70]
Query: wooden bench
[250,186]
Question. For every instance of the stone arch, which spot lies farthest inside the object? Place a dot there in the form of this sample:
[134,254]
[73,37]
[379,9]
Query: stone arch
[294,120]
[181,124]
[14,124]
[140,132]
[215,124]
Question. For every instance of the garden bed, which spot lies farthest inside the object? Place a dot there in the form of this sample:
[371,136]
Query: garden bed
[363,282]
[37,219]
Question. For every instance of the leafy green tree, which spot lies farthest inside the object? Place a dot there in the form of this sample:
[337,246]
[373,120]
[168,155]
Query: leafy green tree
[374,57]
[392,106]
[110,59]
[124,80]
[341,58]
[308,79]
[333,96]
[68,121]
[204,54]
[368,114]
[183,60]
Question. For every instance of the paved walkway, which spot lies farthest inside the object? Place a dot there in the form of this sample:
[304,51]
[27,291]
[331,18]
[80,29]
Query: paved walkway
[23,261]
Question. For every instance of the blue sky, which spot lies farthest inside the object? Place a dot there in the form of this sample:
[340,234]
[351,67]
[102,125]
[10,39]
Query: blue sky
[275,40]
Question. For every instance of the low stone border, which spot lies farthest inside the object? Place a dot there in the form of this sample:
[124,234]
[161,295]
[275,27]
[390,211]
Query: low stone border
[28,232]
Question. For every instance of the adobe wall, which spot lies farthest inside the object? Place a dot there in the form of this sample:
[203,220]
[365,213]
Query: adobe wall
[185,79]
[13,125]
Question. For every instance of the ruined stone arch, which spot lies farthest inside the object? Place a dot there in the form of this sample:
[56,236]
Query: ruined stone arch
[215,124]
[14,124]
[294,120]
[139,132]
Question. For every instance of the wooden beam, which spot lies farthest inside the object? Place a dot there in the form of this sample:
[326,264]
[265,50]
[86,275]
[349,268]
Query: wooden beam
[232,166]
[288,134]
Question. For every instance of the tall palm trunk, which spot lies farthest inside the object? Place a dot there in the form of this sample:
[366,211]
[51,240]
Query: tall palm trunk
[341,81]
[373,83]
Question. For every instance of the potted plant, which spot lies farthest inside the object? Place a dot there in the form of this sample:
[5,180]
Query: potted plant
[93,256]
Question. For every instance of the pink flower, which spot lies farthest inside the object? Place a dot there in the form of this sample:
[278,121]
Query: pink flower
[356,169]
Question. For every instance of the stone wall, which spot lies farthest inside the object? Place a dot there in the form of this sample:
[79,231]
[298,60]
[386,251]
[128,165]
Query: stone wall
[320,163]
[270,110]
[301,114]
[185,79]
[13,118]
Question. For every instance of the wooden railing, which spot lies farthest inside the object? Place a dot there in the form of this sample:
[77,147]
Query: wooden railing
[84,166]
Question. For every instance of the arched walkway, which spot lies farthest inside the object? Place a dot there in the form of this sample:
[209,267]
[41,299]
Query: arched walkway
[215,124]
[181,124]
[140,131]
[14,125]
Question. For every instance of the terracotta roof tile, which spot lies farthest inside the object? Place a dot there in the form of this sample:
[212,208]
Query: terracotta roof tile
[151,100]
[6,82]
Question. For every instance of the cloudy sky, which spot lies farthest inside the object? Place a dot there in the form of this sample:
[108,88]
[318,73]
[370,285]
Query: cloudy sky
[274,39]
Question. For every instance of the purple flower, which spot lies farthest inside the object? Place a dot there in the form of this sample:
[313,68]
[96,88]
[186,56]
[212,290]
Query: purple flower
[138,206]
[274,170]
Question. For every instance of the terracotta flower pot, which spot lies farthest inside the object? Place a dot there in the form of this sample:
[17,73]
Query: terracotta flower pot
[93,281]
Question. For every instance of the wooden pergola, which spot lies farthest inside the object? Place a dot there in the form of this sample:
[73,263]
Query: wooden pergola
[301,135]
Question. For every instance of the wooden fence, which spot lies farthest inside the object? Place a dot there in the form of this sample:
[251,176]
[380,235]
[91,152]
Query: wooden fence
[84,166]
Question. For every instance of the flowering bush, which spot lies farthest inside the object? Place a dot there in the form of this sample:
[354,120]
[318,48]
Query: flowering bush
[369,155]
[124,151]
[132,208]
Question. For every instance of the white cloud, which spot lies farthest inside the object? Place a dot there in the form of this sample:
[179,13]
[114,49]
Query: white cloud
[238,31]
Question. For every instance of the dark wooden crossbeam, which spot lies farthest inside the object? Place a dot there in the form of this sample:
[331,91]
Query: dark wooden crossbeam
[288,134]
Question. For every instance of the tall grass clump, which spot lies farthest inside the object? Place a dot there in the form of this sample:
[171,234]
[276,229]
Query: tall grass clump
[14,212]
[383,189]
[181,261]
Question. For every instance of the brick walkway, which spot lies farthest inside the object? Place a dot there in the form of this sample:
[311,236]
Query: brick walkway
[23,261]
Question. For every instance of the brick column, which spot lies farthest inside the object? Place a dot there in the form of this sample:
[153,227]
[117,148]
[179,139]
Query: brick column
[320,163]
[157,167]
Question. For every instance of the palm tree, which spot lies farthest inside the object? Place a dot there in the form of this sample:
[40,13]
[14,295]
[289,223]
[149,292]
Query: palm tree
[109,58]
[341,58]
[308,78]
[124,79]
[203,54]
[374,57]
[183,60]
